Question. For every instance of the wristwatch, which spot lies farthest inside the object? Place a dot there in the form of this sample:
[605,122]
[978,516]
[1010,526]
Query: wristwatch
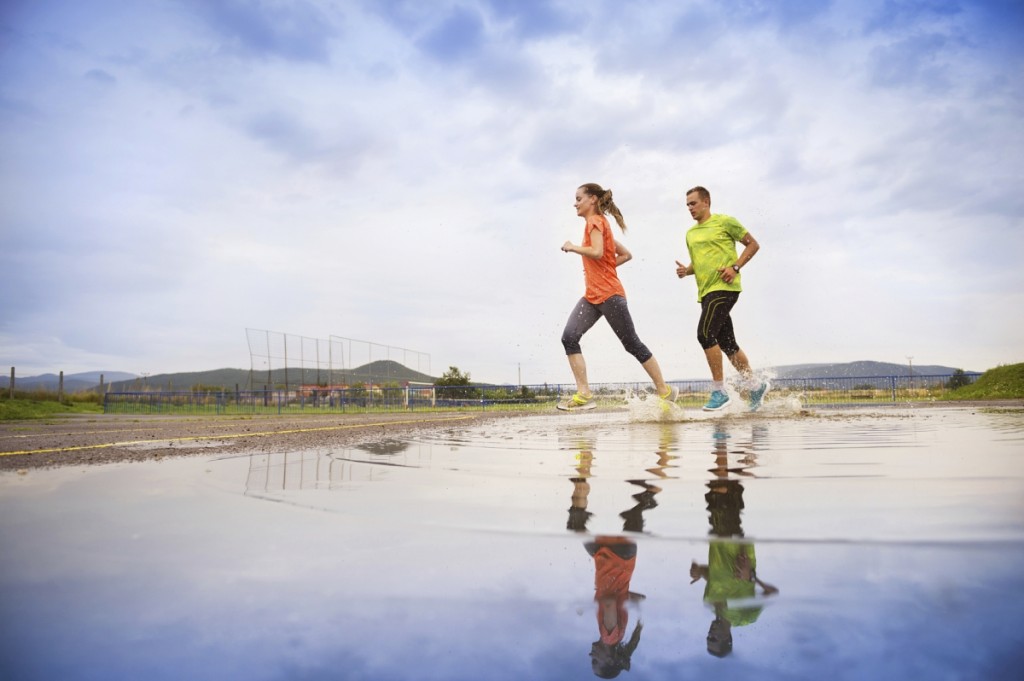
[736,267]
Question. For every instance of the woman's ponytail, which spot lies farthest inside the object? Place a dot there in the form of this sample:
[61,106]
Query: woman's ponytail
[605,203]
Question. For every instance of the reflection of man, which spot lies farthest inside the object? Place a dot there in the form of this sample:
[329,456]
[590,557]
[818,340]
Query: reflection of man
[731,570]
[731,574]
[614,560]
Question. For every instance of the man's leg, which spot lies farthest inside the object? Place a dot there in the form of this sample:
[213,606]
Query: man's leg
[741,363]
[714,357]
[714,331]
[738,358]
[755,386]
[718,398]
[713,327]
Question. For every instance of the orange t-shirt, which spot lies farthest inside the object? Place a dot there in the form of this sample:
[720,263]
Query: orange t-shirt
[601,277]
[612,573]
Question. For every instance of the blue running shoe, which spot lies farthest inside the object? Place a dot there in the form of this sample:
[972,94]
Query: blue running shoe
[756,396]
[717,402]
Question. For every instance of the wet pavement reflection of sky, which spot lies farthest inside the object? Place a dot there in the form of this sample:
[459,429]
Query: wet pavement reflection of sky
[852,545]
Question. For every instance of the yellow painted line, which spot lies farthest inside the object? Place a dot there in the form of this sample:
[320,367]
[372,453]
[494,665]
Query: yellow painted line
[157,427]
[227,436]
[38,431]
[74,433]
[25,436]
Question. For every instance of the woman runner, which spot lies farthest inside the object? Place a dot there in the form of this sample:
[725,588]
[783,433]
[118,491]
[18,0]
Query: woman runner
[604,297]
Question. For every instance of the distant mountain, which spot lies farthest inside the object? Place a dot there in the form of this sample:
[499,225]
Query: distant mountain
[225,378]
[388,371]
[87,380]
[861,369]
[380,371]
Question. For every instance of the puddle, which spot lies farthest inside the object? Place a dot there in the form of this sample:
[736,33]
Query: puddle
[858,544]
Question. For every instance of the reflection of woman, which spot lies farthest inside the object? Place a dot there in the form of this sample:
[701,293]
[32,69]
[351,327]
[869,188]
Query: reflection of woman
[614,560]
[578,513]
[632,518]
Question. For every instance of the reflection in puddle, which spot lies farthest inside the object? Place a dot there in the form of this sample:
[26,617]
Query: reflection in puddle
[731,571]
[323,469]
[540,548]
[614,560]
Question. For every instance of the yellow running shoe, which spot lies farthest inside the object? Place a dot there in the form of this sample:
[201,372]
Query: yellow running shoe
[578,403]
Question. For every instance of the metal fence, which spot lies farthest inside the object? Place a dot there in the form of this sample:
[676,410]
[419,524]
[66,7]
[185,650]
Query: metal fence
[284,359]
[810,392]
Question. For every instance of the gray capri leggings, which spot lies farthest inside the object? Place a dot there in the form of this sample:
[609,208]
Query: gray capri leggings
[615,310]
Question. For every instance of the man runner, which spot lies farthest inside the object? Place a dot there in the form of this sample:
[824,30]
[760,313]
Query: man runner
[713,260]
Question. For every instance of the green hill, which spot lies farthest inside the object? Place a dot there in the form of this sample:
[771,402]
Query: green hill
[73,383]
[380,371]
[1003,382]
[860,369]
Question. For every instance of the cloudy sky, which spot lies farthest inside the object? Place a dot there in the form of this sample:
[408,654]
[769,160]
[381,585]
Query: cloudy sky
[403,171]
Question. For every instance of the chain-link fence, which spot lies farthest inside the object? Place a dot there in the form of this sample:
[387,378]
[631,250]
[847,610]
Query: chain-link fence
[368,398]
[292,362]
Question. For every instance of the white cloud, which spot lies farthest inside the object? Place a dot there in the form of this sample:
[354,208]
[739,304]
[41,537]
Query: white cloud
[174,175]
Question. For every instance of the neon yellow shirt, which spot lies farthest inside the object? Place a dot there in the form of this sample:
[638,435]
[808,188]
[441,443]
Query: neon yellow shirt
[712,245]
[725,588]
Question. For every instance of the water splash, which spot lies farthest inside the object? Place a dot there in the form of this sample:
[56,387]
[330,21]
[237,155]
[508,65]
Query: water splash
[645,407]
[738,388]
[648,408]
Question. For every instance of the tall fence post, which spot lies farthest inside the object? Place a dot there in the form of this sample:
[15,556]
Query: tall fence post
[892,382]
[60,387]
[11,394]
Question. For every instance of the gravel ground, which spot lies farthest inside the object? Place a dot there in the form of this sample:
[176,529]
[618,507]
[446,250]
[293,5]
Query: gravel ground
[108,438]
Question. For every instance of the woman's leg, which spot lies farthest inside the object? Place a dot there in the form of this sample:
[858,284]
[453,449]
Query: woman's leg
[654,371]
[616,311]
[579,373]
[581,319]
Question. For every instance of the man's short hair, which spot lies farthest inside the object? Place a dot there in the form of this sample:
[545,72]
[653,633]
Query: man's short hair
[701,192]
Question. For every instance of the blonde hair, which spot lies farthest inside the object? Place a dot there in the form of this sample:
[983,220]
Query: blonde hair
[605,204]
